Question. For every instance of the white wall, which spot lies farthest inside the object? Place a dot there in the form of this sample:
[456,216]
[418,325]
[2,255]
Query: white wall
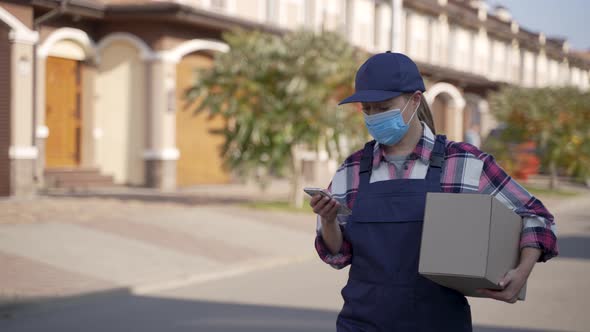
[368,24]
[121,113]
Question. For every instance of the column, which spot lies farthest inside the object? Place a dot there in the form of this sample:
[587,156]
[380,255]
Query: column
[162,154]
[23,153]
[41,130]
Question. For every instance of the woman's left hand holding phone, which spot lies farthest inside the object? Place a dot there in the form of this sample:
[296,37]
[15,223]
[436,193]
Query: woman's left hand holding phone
[325,207]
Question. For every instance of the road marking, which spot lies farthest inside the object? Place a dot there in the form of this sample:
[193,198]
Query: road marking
[252,266]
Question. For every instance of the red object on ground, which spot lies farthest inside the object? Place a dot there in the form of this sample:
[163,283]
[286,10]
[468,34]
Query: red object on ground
[527,162]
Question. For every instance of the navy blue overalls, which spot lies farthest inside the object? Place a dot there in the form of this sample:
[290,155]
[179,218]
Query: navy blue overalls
[384,290]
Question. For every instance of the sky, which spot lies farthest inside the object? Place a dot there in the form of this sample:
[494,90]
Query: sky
[556,18]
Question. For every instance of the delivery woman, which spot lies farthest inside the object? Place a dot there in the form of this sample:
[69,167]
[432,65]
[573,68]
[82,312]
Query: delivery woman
[385,186]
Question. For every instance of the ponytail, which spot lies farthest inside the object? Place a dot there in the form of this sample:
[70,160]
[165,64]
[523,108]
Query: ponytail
[425,115]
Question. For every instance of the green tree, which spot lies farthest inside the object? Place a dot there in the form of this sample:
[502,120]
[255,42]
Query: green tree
[556,119]
[278,94]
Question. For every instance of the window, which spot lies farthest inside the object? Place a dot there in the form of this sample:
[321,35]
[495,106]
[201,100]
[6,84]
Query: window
[542,70]
[362,20]
[499,57]
[309,13]
[517,65]
[553,73]
[462,46]
[218,4]
[417,43]
[253,10]
[292,13]
[575,77]
[272,11]
[529,69]
[483,53]
[435,40]
[331,15]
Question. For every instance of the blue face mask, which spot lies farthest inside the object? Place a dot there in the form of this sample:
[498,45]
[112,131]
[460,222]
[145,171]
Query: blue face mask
[388,128]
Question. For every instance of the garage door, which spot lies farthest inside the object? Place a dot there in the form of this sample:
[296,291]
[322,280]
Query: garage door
[200,160]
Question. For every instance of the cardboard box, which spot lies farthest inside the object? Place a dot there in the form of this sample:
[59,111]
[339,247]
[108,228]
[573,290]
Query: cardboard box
[469,241]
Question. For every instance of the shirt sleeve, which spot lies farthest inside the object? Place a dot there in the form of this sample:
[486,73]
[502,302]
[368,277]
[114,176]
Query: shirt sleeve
[339,260]
[539,229]
[344,256]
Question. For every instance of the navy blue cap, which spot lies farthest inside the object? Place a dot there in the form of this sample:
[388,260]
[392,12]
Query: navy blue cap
[384,76]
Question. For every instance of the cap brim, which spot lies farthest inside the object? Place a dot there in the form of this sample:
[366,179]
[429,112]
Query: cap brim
[370,96]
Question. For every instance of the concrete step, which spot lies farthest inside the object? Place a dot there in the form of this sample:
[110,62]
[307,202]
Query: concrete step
[71,170]
[72,178]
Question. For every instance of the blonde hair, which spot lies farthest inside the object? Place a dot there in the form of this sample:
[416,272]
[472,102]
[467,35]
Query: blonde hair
[424,112]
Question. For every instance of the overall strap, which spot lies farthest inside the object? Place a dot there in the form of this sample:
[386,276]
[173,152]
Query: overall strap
[366,164]
[437,158]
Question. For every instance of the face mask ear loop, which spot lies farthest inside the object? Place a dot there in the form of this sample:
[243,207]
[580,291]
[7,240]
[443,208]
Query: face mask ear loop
[415,111]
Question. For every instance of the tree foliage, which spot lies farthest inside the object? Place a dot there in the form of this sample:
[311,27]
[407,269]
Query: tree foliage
[277,93]
[556,119]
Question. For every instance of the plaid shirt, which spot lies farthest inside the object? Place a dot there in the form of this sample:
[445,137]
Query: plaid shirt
[466,170]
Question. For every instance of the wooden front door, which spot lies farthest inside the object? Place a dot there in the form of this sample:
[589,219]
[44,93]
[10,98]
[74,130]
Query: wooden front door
[200,159]
[62,112]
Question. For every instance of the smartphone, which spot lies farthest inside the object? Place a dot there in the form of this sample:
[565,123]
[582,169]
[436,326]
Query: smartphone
[343,210]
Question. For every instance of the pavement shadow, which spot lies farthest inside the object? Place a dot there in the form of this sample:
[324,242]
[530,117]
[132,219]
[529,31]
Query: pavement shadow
[122,311]
[574,247]
[507,329]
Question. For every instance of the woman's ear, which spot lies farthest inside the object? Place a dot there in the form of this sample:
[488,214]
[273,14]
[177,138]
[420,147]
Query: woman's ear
[417,98]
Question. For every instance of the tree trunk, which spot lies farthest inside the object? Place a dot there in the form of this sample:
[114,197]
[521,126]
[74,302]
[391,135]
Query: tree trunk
[296,196]
[553,183]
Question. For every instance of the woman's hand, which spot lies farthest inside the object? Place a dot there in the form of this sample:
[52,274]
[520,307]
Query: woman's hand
[512,283]
[325,207]
[515,279]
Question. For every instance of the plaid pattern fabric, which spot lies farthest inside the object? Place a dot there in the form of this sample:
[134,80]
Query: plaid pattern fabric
[466,170]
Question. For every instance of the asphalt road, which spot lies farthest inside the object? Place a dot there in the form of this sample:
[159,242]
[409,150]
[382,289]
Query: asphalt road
[302,296]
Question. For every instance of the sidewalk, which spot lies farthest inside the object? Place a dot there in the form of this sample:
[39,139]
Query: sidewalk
[51,247]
